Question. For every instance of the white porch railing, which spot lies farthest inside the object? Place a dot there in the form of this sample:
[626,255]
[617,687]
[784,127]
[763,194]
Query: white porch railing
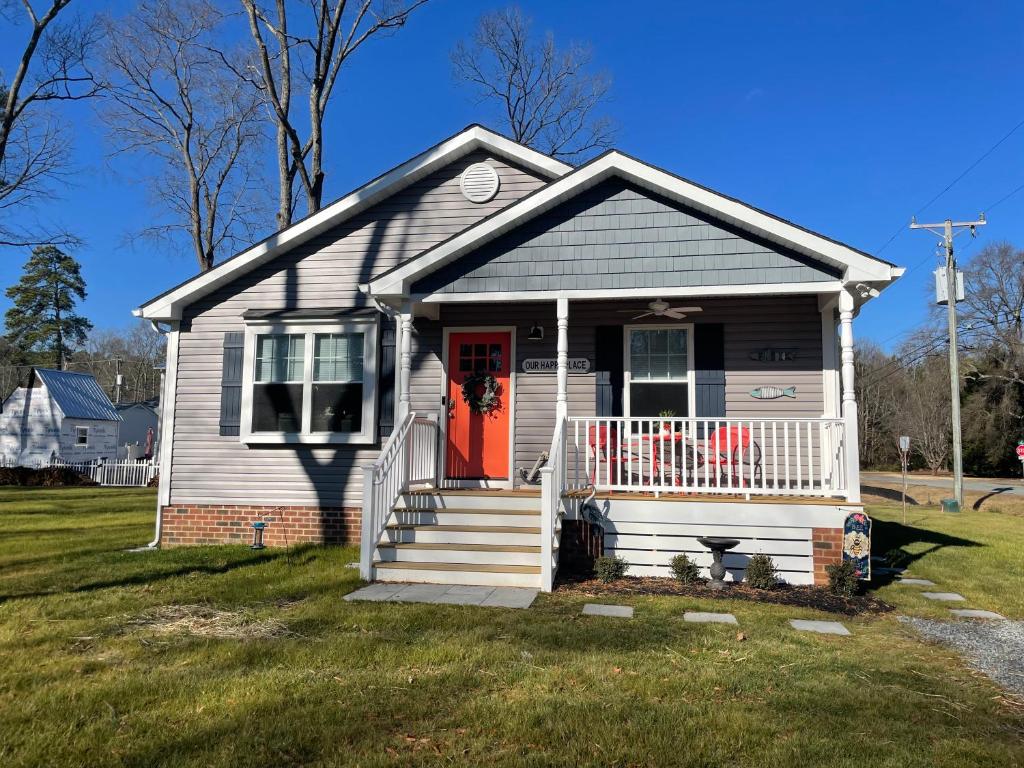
[553,483]
[748,457]
[408,458]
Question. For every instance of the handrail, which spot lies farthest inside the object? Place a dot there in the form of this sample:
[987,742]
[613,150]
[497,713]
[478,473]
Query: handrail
[408,457]
[553,480]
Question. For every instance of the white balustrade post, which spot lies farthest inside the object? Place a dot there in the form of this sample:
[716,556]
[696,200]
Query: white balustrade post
[404,361]
[562,395]
[367,527]
[846,306]
[548,491]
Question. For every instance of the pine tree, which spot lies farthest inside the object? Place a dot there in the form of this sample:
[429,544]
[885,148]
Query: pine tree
[43,317]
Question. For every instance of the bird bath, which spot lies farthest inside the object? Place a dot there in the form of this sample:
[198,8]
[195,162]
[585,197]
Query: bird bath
[718,547]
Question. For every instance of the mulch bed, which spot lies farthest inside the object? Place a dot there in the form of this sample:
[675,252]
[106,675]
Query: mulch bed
[48,477]
[817,598]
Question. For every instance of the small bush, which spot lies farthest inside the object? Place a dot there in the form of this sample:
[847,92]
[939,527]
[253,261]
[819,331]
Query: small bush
[609,569]
[842,579]
[761,572]
[685,570]
[48,477]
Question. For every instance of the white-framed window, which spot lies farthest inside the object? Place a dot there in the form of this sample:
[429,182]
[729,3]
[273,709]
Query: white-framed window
[658,364]
[310,382]
[82,437]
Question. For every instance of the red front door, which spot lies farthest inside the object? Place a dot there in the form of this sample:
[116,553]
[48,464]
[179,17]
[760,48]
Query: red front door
[478,443]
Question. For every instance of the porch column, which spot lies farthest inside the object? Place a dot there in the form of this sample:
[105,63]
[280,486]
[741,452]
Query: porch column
[562,395]
[404,341]
[846,305]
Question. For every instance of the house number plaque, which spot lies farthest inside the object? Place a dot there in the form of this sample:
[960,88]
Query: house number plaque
[550,365]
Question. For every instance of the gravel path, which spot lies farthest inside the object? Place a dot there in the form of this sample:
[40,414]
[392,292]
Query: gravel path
[993,647]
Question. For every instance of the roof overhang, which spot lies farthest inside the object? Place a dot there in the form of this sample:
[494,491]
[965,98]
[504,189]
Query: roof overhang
[168,306]
[855,267]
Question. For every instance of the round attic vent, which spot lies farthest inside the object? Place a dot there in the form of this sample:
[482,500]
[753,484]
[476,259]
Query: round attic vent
[479,183]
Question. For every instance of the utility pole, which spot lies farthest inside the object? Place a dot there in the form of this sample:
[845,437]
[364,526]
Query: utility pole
[950,229]
[117,380]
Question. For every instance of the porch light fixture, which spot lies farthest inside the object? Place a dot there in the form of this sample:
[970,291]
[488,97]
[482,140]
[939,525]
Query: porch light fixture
[536,333]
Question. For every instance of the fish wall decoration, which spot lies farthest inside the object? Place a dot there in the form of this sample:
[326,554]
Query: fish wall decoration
[772,393]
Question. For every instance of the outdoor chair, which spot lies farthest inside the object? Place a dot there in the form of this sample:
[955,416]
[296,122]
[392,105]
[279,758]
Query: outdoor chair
[605,454]
[728,451]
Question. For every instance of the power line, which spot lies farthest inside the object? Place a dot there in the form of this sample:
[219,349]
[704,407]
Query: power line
[954,182]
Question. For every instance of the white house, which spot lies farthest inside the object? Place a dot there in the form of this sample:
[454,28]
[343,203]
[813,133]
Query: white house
[59,414]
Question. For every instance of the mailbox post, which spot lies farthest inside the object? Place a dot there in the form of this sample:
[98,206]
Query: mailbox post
[904,460]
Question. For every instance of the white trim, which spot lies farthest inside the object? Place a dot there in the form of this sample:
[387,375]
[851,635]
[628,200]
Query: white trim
[691,376]
[829,361]
[170,305]
[444,480]
[707,291]
[368,435]
[855,265]
[168,400]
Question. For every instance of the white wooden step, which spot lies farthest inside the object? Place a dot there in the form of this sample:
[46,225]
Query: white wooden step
[462,534]
[510,518]
[466,499]
[448,573]
[476,554]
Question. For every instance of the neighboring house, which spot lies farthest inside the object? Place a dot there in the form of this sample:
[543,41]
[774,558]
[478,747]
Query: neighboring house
[443,327]
[59,414]
[137,421]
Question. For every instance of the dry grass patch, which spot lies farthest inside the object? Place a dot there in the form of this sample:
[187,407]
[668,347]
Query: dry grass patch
[204,621]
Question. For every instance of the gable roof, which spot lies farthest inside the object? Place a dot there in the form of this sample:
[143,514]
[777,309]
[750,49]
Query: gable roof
[168,305]
[853,264]
[78,395]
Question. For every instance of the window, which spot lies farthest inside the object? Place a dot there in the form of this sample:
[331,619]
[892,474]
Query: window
[310,383]
[659,370]
[82,436]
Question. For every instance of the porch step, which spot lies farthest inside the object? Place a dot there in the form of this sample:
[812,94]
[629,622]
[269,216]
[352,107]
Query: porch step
[469,499]
[476,554]
[460,573]
[508,518]
[462,534]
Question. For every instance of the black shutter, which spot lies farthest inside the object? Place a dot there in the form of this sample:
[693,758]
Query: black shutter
[709,369]
[608,369]
[231,383]
[386,383]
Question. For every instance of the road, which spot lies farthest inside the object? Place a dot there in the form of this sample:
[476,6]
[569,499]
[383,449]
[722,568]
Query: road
[982,485]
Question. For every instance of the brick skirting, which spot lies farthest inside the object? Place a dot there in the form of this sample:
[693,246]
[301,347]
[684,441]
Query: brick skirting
[827,548]
[225,524]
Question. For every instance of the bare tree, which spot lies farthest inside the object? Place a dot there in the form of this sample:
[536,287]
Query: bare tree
[547,97]
[878,382]
[135,350]
[51,67]
[309,55]
[992,313]
[174,104]
[926,412]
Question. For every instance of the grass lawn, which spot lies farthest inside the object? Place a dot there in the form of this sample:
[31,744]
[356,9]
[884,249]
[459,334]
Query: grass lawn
[93,674]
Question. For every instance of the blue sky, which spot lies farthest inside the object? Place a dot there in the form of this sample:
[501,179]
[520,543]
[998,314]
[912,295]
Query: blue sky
[844,117]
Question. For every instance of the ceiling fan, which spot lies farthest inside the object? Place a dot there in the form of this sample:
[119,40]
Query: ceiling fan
[660,308]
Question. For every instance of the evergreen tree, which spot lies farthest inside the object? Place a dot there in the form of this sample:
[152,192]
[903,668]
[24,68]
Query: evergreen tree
[43,316]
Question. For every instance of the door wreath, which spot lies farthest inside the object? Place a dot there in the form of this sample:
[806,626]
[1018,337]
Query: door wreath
[481,392]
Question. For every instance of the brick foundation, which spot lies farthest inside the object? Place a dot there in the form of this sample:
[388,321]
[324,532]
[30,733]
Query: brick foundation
[827,546]
[224,524]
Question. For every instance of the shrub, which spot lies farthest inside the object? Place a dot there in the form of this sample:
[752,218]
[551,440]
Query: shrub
[761,572]
[609,569]
[685,570]
[842,579]
[48,477]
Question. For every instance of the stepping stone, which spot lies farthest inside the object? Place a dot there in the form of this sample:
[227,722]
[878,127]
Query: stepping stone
[698,617]
[421,593]
[375,592]
[510,597]
[946,597]
[821,627]
[917,582]
[598,609]
[967,613]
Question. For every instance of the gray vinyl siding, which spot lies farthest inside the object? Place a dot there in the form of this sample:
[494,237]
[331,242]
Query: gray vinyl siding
[208,468]
[750,324]
[618,236]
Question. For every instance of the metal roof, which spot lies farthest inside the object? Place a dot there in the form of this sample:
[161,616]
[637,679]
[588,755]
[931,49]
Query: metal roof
[78,395]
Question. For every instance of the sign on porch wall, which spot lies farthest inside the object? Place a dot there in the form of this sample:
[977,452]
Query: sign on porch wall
[774,355]
[857,543]
[550,365]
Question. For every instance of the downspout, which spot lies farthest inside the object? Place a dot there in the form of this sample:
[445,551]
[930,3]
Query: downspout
[158,533]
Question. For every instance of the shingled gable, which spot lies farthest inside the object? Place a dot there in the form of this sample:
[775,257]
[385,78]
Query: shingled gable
[169,305]
[848,264]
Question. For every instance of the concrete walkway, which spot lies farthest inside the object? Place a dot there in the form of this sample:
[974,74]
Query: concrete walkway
[445,594]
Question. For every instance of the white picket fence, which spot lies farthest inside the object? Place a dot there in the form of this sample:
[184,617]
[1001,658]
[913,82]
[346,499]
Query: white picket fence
[109,473]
